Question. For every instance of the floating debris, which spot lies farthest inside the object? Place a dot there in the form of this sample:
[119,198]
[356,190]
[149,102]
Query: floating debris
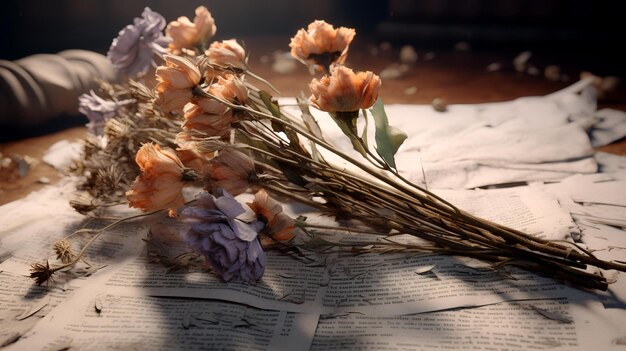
[552,72]
[385,46]
[521,61]
[429,56]
[373,50]
[439,105]
[533,71]
[15,166]
[284,63]
[394,71]
[410,91]
[493,67]
[408,55]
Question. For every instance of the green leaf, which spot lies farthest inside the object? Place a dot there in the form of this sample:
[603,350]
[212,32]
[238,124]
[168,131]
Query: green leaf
[365,128]
[347,124]
[269,103]
[388,138]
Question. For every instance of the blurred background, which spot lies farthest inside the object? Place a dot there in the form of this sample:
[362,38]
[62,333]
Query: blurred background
[580,30]
[476,44]
[426,51]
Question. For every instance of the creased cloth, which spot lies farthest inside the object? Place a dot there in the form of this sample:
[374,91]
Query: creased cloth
[43,86]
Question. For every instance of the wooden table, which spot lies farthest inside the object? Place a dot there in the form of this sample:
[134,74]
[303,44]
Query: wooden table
[455,76]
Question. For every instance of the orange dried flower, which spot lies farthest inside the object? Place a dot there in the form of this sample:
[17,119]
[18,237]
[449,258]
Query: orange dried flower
[176,81]
[209,116]
[186,34]
[344,90]
[232,171]
[231,88]
[321,45]
[278,225]
[193,159]
[227,54]
[160,184]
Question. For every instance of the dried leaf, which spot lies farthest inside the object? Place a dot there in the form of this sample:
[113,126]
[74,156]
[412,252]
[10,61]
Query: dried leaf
[311,124]
[34,308]
[388,138]
[425,269]
[88,271]
[551,315]
[296,297]
[10,338]
[186,322]
[98,305]
[308,119]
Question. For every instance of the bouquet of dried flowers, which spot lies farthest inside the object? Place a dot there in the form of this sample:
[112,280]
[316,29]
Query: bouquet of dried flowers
[209,122]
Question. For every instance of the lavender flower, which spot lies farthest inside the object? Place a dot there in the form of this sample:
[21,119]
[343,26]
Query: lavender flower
[132,51]
[230,245]
[98,110]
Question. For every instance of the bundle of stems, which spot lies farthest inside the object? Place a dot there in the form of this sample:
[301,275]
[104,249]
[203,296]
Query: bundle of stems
[201,105]
[381,197]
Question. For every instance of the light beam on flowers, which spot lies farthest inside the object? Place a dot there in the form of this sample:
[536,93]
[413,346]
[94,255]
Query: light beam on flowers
[176,81]
[160,184]
[321,45]
[191,35]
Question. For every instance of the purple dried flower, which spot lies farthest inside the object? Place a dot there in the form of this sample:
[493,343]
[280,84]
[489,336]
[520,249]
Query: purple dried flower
[132,51]
[230,245]
[98,110]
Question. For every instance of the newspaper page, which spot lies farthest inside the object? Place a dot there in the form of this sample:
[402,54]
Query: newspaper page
[127,319]
[554,324]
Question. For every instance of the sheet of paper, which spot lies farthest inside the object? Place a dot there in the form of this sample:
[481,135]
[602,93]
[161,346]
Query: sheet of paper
[479,145]
[557,324]
[129,319]
[24,305]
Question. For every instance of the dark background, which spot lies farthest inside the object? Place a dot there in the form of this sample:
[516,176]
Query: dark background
[591,32]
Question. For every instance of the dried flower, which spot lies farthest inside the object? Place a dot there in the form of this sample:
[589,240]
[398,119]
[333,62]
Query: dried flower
[227,55]
[230,88]
[230,245]
[209,116]
[83,202]
[63,250]
[177,79]
[186,35]
[133,50]
[192,158]
[321,45]
[41,273]
[344,90]
[160,184]
[231,170]
[99,110]
[278,225]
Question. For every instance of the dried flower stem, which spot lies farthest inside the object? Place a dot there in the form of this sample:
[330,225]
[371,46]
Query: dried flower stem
[415,210]
[41,278]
